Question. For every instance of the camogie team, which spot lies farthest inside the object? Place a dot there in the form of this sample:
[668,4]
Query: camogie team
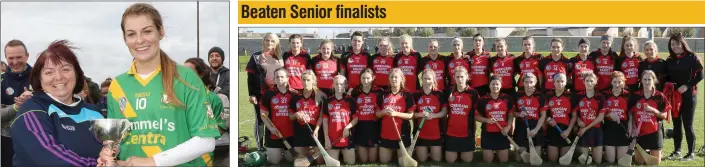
[365,104]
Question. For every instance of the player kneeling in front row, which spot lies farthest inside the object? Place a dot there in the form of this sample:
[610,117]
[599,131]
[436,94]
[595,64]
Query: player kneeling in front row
[338,118]
[460,133]
[306,114]
[529,103]
[494,110]
[430,108]
[649,107]
[588,106]
[395,104]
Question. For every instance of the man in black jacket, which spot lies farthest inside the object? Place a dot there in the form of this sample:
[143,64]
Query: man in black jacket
[221,74]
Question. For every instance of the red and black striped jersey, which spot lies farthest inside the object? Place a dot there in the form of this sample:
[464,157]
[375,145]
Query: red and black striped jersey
[461,112]
[400,102]
[352,65]
[588,108]
[308,106]
[367,103]
[439,66]
[339,113]
[411,66]
[532,104]
[296,65]
[497,109]
[479,69]
[381,65]
[504,68]
[433,103]
[325,70]
[605,65]
[455,62]
[581,66]
[528,65]
[277,104]
[616,104]
[550,67]
[630,68]
[648,120]
[559,107]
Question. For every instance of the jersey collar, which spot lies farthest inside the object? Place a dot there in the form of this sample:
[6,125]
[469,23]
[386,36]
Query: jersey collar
[144,82]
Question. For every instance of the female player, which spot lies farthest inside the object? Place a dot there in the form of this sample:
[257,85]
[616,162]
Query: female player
[479,66]
[492,110]
[654,63]
[605,59]
[353,62]
[588,107]
[436,62]
[457,59]
[649,107]
[260,77]
[555,63]
[582,64]
[617,117]
[201,69]
[528,62]
[178,101]
[685,69]
[338,119]
[628,62]
[367,128]
[383,62]
[502,66]
[559,111]
[276,107]
[460,134]
[306,113]
[296,61]
[397,104]
[529,103]
[325,66]
[430,108]
[408,62]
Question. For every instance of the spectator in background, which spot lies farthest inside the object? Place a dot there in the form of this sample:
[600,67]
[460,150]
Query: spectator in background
[221,74]
[3,66]
[14,83]
[103,102]
[94,90]
[85,92]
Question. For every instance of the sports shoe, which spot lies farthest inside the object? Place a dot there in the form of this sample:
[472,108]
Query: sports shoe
[688,157]
[674,155]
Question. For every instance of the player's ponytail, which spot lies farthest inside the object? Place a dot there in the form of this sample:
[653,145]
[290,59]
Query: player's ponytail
[168,75]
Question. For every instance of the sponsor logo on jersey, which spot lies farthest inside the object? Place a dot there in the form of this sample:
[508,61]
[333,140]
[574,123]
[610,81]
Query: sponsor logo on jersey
[122,102]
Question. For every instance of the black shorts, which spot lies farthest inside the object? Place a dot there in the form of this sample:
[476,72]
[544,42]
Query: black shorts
[327,91]
[276,143]
[553,137]
[394,144]
[424,142]
[366,133]
[591,138]
[520,134]
[653,141]
[494,141]
[303,136]
[459,144]
[482,90]
[615,134]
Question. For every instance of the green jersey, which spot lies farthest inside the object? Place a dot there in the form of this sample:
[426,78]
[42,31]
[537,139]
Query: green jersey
[157,125]
[217,106]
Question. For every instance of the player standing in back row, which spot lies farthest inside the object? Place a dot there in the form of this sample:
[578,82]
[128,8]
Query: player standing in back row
[628,62]
[605,59]
[502,65]
[582,64]
[408,61]
[528,62]
[352,63]
[555,63]
[436,62]
[296,61]
[479,66]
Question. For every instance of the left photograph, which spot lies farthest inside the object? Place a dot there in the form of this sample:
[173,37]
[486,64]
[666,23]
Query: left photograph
[115,84]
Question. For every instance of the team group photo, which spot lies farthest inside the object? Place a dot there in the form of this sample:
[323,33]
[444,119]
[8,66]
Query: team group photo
[115,84]
[604,96]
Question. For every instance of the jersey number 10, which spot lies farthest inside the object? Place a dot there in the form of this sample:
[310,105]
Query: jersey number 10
[141,103]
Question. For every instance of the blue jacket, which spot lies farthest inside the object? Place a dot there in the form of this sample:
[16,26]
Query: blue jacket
[13,84]
[48,133]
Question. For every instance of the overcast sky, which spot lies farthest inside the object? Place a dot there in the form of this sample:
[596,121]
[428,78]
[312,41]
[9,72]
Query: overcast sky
[94,27]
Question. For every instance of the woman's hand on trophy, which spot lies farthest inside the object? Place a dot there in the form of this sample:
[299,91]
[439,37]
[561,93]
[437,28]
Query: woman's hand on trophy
[139,161]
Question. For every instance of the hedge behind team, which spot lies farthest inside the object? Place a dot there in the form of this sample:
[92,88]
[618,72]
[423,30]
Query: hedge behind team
[614,81]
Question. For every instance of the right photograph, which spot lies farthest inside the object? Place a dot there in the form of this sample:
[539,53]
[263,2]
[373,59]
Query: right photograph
[411,96]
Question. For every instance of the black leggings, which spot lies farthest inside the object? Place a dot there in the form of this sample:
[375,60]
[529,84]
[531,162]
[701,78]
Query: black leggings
[259,132]
[687,112]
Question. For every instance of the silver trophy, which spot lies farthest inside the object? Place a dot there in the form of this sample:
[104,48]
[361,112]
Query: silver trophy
[111,132]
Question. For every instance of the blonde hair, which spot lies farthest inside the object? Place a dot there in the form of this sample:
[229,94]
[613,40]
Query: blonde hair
[650,73]
[407,38]
[326,41]
[316,92]
[460,70]
[588,74]
[399,72]
[652,43]
[434,83]
[625,39]
[432,41]
[344,80]
[390,46]
[277,48]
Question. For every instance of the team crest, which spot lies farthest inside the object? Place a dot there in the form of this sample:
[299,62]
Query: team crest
[521,102]
[10,91]
[318,65]
[165,99]
[489,106]
[625,64]
[350,60]
[582,104]
[578,67]
[420,101]
[598,61]
[548,67]
[298,105]
[122,102]
[376,61]
[451,98]
[386,100]
[399,62]
[287,61]
[330,106]
[550,103]
[638,105]
[451,65]
[496,64]
[428,66]
[275,100]
[609,103]
[209,110]
[521,65]
[359,100]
